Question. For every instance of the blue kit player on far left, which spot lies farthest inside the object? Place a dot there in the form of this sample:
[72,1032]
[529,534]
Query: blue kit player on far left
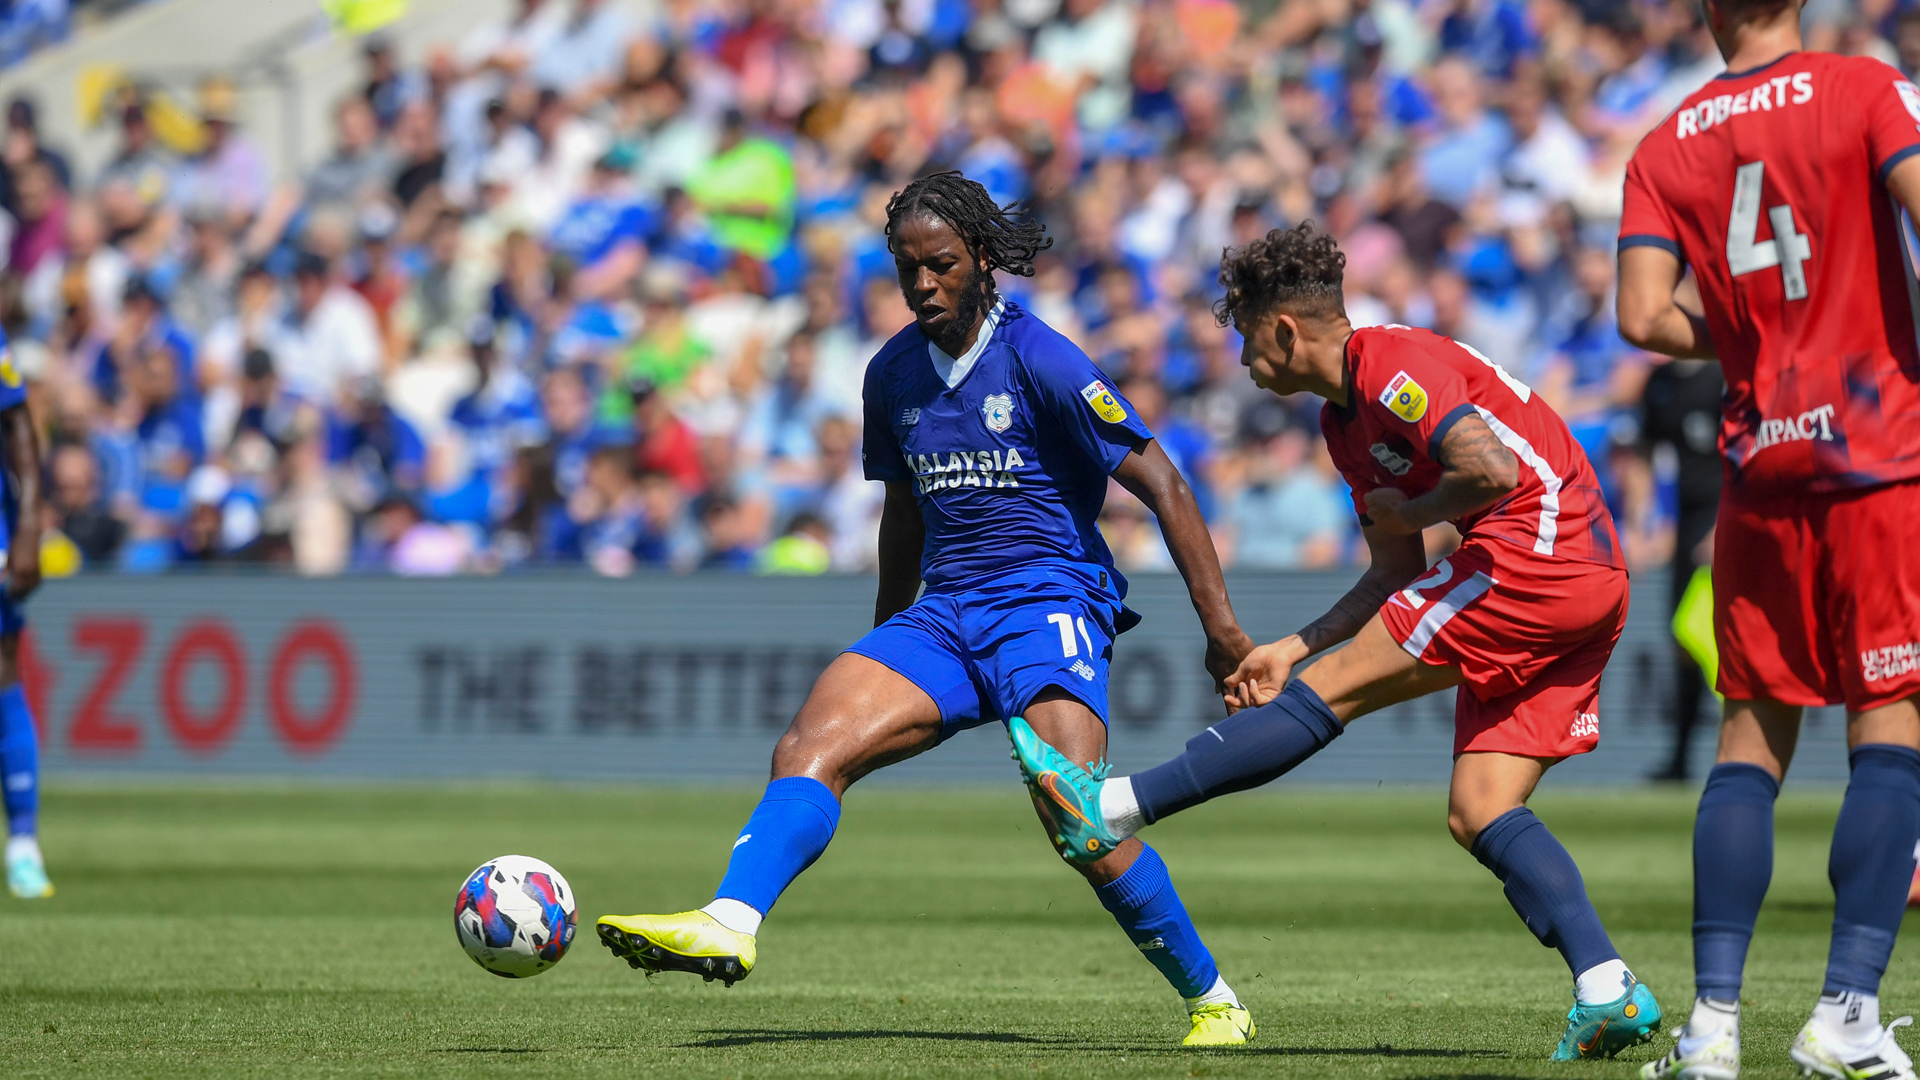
[995,437]
[20,532]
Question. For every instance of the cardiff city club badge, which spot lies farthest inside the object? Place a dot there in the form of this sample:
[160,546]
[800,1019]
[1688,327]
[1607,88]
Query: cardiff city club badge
[1405,398]
[998,410]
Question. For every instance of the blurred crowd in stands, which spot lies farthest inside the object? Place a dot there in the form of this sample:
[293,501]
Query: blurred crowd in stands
[597,284]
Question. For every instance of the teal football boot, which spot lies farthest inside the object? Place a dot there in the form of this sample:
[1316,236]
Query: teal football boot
[1597,1031]
[1067,794]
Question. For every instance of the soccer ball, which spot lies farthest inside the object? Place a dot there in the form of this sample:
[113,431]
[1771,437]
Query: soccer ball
[514,916]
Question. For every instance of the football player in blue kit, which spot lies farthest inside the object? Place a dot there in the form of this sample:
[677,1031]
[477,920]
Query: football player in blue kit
[995,437]
[20,532]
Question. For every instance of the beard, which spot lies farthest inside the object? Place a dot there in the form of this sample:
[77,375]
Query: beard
[971,305]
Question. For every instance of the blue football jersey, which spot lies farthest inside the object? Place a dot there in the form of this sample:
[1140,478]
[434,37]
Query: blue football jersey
[13,393]
[13,388]
[1010,466]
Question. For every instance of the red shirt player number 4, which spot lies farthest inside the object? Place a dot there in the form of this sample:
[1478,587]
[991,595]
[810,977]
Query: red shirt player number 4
[1771,185]
[1538,582]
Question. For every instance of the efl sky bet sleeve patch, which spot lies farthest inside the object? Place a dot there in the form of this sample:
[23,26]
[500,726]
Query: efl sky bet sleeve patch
[1405,398]
[1107,407]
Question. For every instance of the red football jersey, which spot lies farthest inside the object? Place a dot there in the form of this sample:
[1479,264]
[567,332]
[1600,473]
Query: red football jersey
[1407,388]
[1771,185]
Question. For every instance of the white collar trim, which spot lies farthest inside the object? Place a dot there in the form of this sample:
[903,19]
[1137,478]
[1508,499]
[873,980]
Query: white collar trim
[952,370]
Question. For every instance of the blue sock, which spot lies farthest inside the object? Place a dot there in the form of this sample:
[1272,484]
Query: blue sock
[1732,865]
[787,832]
[1144,903]
[1247,749]
[1544,887]
[1871,864]
[19,763]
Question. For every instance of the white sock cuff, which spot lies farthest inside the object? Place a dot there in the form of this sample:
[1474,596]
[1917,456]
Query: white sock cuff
[1602,983]
[735,916]
[1217,994]
[1119,809]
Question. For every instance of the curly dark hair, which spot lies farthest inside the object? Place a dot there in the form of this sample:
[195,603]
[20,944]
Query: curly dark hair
[1300,268]
[988,229]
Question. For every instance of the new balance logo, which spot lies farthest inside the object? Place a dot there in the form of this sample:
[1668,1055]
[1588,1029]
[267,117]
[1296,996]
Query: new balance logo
[1081,669]
[909,417]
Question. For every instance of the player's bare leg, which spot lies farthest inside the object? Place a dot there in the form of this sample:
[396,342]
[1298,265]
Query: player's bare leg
[1487,786]
[860,716]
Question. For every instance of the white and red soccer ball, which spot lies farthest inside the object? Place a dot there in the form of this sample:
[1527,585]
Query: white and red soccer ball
[515,916]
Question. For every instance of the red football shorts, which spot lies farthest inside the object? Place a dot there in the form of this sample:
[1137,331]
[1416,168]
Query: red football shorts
[1816,598]
[1531,635]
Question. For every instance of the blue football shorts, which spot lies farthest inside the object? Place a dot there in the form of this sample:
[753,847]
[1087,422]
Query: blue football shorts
[983,654]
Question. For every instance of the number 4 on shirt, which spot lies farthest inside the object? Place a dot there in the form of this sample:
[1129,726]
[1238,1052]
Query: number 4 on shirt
[1789,250]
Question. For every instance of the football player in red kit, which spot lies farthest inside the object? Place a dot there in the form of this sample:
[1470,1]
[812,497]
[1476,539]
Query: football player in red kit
[1521,618]
[1780,185]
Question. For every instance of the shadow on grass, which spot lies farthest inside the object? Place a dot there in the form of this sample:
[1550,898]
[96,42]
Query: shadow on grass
[764,1036]
[1381,1050]
[1471,1076]
[489,1050]
[760,1036]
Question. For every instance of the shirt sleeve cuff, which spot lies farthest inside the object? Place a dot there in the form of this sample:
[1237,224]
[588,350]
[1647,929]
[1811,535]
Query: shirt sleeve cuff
[1459,412]
[1634,240]
[1895,158]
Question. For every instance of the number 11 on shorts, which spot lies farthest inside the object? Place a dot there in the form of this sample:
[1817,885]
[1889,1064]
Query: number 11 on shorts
[1066,623]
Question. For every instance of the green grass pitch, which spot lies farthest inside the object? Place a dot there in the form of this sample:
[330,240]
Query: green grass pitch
[248,932]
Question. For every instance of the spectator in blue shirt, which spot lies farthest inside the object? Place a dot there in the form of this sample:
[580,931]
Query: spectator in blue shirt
[144,327]
[379,452]
[606,520]
[605,230]
[169,431]
[494,422]
[1462,158]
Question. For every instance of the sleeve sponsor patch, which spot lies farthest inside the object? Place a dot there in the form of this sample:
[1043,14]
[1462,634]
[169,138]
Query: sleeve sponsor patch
[1404,398]
[1105,405]
[1909,96]
[9,375]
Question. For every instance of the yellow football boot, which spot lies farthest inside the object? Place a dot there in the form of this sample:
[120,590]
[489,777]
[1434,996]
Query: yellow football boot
[1220,1024]
[691,941]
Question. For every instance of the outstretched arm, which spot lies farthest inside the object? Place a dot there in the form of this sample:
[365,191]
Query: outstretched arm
[23,470]
[903,538]
[1649,316]
[1397,558]
[1150,475]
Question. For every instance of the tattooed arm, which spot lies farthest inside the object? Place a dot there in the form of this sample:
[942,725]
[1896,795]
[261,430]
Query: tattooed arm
[1396,560]
[1476,472]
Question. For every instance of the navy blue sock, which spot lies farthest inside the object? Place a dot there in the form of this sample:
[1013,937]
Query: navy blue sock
[19,763]
[1144,903]
[1247,749]
[787,832]
[1732,866]
[1544,887]
[1871,864]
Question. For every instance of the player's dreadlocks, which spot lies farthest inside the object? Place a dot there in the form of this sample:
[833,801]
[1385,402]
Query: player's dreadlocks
[1300,267]
[988,230]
